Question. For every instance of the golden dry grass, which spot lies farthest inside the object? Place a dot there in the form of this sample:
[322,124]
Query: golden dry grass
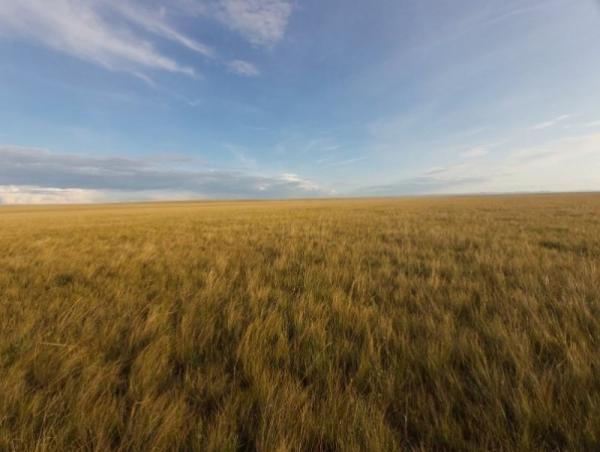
[434,323]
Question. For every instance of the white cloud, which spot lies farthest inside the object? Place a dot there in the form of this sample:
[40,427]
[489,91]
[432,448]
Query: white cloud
[304,184]
[243,68]
[593,124]
[262,22]
[550,123]
[115,34]
[155,23]
[79,28]
[11,194]
[21,195]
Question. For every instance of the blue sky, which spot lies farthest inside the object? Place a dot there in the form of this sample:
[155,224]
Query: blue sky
[110,100]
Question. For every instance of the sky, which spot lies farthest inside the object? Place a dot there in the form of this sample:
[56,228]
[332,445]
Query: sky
[122,100]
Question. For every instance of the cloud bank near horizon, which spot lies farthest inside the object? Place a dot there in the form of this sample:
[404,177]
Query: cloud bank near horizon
[29,175]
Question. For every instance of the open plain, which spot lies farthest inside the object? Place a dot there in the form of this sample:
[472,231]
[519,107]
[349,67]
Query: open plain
[450,323]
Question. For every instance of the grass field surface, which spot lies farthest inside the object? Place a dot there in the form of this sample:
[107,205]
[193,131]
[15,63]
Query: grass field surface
[458,323]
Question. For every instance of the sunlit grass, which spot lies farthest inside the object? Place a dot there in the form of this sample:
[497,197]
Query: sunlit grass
[448,323]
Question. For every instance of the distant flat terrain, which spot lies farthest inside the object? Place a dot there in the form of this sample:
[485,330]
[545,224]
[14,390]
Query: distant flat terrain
[450,323]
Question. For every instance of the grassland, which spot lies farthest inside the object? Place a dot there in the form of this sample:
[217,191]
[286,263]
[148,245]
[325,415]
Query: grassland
[403,324]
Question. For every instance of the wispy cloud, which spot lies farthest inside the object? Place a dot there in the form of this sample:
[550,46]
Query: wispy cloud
[262,22]
[89,30]
[156,23]
[550,123]
[243,68]
[78,28]
[41,174]
[304,184]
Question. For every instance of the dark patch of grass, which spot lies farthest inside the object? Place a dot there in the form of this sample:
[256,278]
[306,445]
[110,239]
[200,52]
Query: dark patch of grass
[64,279]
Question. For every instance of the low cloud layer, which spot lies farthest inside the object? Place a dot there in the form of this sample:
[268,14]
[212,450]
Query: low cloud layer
[37,175]
[41,176]
[566,164]
[12,194]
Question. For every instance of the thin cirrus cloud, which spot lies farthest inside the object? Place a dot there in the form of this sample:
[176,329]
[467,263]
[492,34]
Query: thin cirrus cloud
[550,123]
[262,22]
[82,29]
[243,68]
[156,23]
[39,175]
[79,29]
